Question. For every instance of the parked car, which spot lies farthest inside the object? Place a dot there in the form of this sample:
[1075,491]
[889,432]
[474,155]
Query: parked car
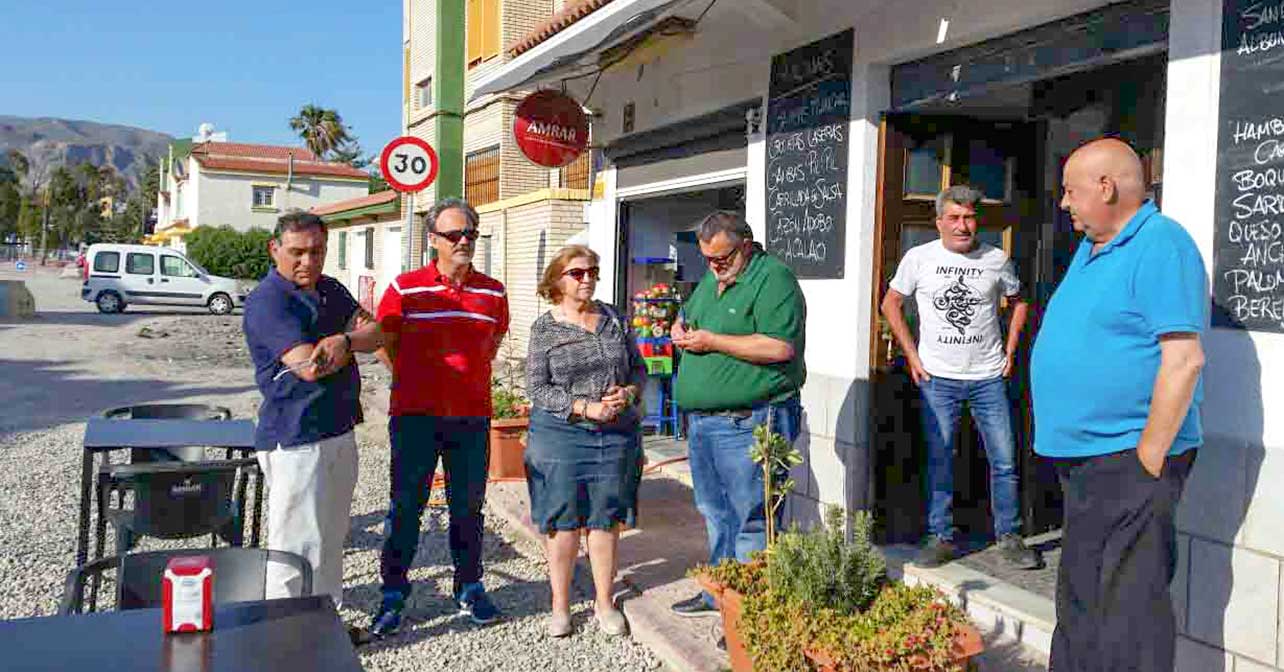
[120,275]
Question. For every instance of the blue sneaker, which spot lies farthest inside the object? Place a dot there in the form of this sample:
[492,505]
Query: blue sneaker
[388,620]
[474,602]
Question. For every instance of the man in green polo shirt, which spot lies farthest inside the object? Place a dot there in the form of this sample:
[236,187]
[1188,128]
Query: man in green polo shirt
[742,338]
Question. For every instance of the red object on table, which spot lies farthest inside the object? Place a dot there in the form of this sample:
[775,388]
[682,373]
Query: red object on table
[187,594]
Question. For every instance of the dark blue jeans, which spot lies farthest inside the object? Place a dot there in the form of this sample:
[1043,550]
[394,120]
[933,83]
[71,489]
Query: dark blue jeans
[943,406]
[728,485]
[417,443]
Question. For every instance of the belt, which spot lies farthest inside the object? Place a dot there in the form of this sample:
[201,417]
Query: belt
[731,413]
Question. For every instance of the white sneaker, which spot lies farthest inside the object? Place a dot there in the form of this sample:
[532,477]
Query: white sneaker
[613,623]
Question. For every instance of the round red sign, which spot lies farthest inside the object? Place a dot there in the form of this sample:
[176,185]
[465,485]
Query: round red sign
[408,164]
[551,128]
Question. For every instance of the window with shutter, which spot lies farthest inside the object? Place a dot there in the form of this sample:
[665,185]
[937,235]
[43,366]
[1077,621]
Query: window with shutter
[483,21]
[481,177]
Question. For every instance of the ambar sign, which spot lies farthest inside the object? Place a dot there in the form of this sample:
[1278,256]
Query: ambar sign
[551,128]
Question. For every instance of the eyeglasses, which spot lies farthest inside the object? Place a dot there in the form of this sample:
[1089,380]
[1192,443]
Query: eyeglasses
[456,235]
[578,273]
[724,259]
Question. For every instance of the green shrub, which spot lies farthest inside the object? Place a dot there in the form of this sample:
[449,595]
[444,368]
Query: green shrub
[225,251]
[823,569]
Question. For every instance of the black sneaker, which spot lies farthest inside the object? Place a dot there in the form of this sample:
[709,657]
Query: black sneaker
[695,606]
[935,552]
[722,644]
[1016,554]
[359,636]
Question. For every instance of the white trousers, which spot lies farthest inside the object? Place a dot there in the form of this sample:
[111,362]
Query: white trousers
[309,500]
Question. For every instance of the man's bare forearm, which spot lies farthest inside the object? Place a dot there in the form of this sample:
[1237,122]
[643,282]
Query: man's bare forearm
[367,337]
[754,348]
[1020,314]
[895,316]
[1170,401]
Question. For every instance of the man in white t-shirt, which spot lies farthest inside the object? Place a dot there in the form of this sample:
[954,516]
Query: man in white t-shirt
[960,356]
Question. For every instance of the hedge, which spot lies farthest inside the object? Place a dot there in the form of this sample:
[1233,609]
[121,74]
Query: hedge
[225,251]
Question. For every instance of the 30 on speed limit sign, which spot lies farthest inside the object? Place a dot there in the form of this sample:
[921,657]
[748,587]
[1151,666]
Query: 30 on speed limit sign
[408,164]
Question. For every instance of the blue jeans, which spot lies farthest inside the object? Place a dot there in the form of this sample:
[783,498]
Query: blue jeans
[418,441]
[728,485]
[988,400]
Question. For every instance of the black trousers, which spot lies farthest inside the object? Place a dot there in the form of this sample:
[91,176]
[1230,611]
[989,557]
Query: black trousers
[1118,557]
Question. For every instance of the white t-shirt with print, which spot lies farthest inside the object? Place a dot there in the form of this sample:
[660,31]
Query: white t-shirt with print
[958,297]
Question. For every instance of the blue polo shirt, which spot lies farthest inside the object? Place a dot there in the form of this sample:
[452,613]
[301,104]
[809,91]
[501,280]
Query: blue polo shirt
[1097,354]
[279,316]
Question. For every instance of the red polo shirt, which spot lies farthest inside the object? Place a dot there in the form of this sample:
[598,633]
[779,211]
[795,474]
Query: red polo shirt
[447,336]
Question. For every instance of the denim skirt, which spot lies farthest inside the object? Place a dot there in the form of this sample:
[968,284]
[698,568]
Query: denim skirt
[582,475]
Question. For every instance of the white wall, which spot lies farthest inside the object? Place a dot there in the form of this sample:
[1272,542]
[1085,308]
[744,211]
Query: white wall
[225,198]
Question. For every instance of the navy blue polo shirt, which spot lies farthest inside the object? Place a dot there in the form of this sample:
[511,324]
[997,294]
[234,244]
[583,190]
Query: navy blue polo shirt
[1095,359]
[278,317]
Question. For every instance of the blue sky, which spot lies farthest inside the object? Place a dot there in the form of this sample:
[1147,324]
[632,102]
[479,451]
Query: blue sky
[245,66]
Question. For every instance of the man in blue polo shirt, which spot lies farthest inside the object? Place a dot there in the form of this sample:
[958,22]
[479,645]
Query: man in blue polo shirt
[1116,382]
[302,328]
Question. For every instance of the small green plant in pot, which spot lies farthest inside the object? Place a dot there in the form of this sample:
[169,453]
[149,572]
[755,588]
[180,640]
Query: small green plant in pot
[508,425]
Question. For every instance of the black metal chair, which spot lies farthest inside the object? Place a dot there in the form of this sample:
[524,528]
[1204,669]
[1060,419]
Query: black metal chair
[180,500]
[240,575]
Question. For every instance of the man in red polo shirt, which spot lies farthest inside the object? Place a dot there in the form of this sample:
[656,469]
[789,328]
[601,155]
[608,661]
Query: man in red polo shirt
[443,324]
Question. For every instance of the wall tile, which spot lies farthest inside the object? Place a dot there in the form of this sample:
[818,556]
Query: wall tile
[1264,472]
[1234,588]
[1195,657]
[1213,501]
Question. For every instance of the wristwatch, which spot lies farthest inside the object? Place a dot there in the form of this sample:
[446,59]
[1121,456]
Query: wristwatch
[347,340]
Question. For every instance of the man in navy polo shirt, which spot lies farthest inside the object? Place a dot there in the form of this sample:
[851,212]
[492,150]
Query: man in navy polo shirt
[302,328]
[1116,381]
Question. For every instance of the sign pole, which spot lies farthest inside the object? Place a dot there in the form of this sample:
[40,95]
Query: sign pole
[408,232]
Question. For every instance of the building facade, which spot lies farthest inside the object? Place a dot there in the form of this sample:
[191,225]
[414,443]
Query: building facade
[244,186]
[875,107]
[363,250]
[527,211]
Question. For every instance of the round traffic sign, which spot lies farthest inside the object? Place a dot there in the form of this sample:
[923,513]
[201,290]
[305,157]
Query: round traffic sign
[408,164]
[20,265]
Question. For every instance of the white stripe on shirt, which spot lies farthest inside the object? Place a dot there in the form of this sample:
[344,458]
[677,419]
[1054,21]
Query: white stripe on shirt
[490,292]
[449,313]
[417,290]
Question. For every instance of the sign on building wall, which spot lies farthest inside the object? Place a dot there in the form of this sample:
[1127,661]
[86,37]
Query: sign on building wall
[551,128]
[1248,250]
[808,115]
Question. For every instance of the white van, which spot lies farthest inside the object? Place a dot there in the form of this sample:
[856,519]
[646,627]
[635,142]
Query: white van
[120,275]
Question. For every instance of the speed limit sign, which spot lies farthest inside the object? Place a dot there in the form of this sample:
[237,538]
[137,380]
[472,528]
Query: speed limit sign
[408,164]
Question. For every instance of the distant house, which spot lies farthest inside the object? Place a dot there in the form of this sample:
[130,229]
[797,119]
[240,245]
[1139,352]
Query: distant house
[214,183]
[365,248]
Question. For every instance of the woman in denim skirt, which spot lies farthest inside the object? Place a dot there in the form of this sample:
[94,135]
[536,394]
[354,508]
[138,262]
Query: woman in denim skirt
[584,375]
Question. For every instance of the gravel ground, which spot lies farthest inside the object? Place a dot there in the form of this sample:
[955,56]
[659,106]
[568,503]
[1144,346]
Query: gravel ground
[70,362]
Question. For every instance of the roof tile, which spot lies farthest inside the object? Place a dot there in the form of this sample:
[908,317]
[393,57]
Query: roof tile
[560,21]
[381,197]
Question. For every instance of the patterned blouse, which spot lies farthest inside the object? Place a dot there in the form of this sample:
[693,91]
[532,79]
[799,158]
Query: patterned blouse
[565,362]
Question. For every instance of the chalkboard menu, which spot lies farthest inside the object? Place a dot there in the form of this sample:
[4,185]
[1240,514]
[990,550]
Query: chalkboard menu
[1248,265]
[808,113]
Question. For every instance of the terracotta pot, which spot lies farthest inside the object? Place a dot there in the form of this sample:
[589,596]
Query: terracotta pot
[728,602]
[507,447]
[966,646]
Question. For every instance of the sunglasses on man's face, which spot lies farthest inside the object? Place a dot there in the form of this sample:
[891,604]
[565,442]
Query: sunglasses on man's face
[455,236]
[578,273]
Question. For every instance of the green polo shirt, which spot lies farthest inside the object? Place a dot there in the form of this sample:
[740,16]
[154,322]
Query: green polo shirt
[765,299]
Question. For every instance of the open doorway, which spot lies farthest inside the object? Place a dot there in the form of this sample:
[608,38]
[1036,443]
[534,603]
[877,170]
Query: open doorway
[1010,142]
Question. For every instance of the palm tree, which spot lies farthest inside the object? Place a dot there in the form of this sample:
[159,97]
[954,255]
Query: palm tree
[322,130]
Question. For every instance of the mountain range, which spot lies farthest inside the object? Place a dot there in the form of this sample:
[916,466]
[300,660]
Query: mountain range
[49,142]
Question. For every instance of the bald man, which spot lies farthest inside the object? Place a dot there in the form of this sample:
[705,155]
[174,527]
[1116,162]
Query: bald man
[1116,383]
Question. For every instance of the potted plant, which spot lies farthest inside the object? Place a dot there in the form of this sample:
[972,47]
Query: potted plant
[510,418]
[821,598]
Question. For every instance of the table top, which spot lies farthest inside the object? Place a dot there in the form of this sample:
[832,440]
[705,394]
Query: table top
[101,433]
[302,633]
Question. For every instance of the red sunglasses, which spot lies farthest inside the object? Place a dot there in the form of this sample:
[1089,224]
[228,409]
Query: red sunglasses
[578,273]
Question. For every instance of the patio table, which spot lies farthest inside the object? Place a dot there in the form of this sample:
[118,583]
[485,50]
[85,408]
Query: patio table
[302,633]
